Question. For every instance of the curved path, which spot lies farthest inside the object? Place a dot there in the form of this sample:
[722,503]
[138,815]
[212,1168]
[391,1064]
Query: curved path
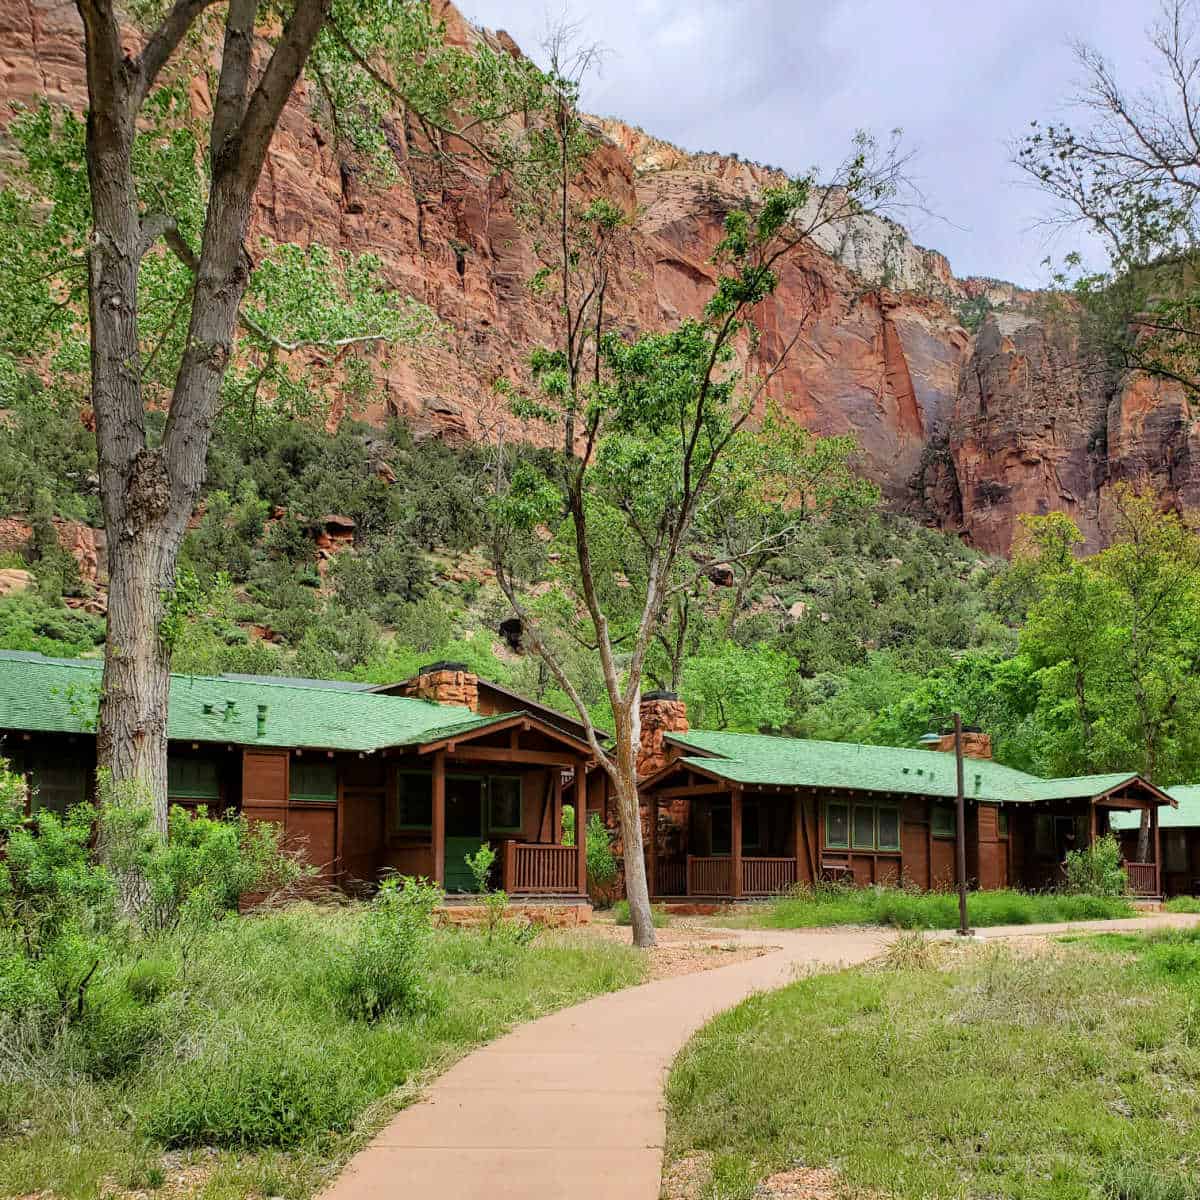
[569,1107]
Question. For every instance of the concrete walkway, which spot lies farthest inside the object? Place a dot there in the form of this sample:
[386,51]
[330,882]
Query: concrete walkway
[569,1107]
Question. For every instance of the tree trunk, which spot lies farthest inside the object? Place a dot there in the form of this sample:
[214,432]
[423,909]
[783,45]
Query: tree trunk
[637,891]
[1143,846]
[132,732]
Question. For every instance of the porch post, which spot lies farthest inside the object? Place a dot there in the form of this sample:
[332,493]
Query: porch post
[797,832]
[581,790]
[652,849]
[1156,844]
[438,821]
[735,821]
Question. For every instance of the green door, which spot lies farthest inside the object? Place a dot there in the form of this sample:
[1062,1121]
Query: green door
[464,829]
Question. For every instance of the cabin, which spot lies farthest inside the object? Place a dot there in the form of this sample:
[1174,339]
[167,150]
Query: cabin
[409,778]
[1179,839]
[732,815]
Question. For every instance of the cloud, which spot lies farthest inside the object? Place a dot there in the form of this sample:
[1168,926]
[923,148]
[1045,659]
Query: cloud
[788,82]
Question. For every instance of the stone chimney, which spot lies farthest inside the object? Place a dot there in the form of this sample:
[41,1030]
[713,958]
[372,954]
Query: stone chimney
[444,683]
[660,713]
[975,743]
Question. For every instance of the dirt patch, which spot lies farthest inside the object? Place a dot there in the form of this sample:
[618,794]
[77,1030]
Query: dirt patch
[801,1183]
[683,951]
[688,1178]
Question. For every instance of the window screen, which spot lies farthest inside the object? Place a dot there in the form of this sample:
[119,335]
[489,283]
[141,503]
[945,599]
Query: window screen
[837,826]
[504,802]
[1175,855]
[864,827]
[942,821]
[193,779]
[1002,823]
[313,781]
[414,801]
[889,829]
[58,786]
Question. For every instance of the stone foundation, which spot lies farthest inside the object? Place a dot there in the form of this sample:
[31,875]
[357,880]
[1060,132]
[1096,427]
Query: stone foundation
[551,916]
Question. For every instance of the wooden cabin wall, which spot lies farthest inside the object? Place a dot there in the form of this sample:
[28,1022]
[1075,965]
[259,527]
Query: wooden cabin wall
[914,842]
[363,819]
[991,851]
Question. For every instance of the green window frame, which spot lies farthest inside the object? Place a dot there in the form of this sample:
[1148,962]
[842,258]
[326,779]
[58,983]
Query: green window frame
[943,821]
[413,805]
[193,779]
[505,808]
[891,814]
[841,821]
[862,827]
[314,783]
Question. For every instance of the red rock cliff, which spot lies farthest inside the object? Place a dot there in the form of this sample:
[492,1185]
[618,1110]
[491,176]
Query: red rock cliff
[967,431]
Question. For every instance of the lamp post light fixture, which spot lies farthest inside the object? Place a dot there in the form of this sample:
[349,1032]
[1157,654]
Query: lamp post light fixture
[960,821]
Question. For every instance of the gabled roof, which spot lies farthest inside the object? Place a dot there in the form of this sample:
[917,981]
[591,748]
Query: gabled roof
[758,760]
[59,696]
[1186,814]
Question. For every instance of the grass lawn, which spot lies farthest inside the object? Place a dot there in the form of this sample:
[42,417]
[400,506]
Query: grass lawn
[1068,1075]
[255,1058]
[904,908]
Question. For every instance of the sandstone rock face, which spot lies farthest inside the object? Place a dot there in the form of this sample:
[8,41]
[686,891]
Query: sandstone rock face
[968,431]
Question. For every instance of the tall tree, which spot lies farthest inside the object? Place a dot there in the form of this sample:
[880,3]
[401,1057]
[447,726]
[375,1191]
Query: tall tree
[168,337]
[1125,165]
[644,423]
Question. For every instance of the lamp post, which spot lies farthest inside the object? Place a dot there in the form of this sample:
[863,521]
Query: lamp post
[960,822]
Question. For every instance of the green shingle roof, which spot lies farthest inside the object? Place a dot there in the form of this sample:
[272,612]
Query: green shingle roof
[1186,815]
[59,696]
[759,760]
[1079,786]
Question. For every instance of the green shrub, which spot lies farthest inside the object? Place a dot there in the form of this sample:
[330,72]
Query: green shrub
[385,970]
[274,1090]
[1183,904]
[480,865]
[150,979]
[602,865]
[658,914]
[115,1030]
[1096,869]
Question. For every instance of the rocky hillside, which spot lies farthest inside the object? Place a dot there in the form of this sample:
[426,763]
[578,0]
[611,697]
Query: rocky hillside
[967,428]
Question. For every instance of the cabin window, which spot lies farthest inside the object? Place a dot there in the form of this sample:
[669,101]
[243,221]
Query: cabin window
[1002,822]
[1043,835]
[943,821]
[751,827]
[1175,850]
[313,782]
[57,786]
[504,803]
[889,829]
[193,779]
[837,826]
[722,829]
[864,827]
[414,800]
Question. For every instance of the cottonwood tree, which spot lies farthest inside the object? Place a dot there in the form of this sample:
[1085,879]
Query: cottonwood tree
[1126,167]
[150,241]
[643,423]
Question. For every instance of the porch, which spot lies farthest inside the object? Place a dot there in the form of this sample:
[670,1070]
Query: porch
[720,877]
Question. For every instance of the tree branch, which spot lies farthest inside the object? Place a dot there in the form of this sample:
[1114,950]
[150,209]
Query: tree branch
[162,43]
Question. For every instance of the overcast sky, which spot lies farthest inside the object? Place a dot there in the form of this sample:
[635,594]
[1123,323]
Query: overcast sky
[787,82]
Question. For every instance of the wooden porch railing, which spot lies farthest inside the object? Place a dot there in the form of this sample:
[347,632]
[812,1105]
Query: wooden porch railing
[537,867]
[1143,879]
[709,876]
[670,877]
[767,876]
